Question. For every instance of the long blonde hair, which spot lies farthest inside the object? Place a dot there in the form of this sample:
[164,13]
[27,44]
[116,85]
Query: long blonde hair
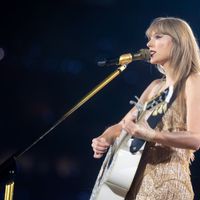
[185,56]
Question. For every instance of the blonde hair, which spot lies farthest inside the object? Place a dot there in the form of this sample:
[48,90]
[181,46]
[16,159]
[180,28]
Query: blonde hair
[185,57]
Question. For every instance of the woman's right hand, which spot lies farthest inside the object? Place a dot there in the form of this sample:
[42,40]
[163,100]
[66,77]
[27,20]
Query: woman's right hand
[99,146]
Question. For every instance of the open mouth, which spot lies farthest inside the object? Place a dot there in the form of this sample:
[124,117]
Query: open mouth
[152,53]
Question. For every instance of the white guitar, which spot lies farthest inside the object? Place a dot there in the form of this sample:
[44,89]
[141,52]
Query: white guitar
[122,159]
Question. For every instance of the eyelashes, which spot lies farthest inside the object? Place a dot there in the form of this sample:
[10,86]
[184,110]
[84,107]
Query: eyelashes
[158,36]
[155,36]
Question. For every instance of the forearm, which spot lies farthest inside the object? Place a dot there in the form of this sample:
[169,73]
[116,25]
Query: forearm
[111,133]
[182,139]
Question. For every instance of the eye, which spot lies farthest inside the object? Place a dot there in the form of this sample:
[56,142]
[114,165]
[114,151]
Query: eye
[158,36]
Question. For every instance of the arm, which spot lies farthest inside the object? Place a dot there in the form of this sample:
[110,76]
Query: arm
[101,143]
[189,139]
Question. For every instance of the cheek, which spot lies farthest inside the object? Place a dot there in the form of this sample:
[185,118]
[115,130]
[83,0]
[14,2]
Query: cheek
[162,45]
[166,48]
[169,49]
[169,45]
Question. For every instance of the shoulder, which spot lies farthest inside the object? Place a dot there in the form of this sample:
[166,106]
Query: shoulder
[192,95]
[192,79]
[151,90]
[193,82]
[192,86]
[154,87]
[155,83]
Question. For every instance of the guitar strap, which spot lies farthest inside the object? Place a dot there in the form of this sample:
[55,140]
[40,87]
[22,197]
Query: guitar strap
[153,120]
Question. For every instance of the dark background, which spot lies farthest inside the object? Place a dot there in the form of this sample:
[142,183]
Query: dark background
[49,51]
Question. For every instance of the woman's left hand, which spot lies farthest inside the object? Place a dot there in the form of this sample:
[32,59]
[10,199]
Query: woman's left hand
[139,130]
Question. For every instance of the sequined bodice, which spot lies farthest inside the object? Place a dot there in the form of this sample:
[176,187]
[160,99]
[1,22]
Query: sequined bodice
[173,121]
[163,168]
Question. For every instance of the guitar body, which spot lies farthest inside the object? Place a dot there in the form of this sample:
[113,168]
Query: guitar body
[122,160]
[117,171]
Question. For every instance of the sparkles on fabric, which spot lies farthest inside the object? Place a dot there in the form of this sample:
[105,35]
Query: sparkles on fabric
[163,173]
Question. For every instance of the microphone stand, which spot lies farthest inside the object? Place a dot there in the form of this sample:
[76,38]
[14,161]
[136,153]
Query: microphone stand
[8,167]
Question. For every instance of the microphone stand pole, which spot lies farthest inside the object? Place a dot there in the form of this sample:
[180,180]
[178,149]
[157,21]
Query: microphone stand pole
[8,167]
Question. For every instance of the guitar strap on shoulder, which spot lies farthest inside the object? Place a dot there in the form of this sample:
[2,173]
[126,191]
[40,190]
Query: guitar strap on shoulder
[156,116]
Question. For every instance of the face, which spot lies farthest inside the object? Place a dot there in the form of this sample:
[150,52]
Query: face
[160,46]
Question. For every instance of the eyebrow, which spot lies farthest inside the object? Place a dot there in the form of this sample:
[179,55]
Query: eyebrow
[157,33]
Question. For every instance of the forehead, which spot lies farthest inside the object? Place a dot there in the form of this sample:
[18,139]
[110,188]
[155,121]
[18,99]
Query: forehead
[154,31]
[156,28]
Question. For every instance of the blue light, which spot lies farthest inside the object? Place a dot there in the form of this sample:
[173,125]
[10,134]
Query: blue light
[71,66]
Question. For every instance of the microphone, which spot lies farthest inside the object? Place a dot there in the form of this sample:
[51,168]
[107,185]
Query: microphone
[142,54]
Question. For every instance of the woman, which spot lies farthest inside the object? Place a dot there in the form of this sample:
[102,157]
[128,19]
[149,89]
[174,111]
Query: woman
[164,169]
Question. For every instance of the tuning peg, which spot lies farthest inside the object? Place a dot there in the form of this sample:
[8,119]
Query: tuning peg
[138,105]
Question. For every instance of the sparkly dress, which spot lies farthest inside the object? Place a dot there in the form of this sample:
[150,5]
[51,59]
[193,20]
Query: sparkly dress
[163,173]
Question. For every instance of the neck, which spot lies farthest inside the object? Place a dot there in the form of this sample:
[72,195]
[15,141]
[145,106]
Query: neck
[170,77]
[169,81]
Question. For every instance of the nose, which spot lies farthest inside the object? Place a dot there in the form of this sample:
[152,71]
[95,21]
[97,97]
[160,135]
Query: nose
[149,43]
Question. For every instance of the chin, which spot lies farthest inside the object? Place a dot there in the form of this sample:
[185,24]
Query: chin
[155,62]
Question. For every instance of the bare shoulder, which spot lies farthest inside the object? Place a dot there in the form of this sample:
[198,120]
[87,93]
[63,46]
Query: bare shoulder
[193,81]
[151,89]
[192,85]
[192,94]
[155,82]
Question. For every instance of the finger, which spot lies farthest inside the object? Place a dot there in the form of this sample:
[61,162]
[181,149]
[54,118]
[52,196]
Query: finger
[129,128]
[99,149]
[126,130]
[100,142]
[97,155]
[103,141]
[124,126]
[134,116]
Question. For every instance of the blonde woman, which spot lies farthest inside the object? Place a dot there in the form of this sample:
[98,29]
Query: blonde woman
[164,169]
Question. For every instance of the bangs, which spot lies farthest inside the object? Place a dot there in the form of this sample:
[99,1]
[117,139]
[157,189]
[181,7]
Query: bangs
[159,25]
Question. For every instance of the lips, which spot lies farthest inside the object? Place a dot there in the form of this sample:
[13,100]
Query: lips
[152,52]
